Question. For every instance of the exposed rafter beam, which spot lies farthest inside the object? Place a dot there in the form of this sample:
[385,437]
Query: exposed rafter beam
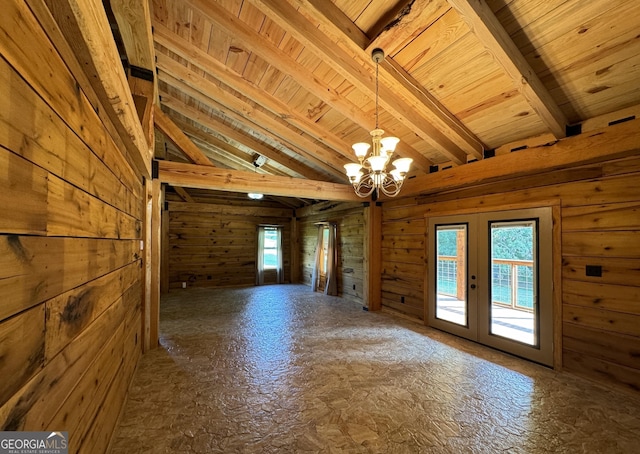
[288,65]
[209,122]
[484,24]
[244,113]
[134,23]
[232,79]
[184,195]
[613,142]
[395,31]
[213,178]
[87,30]
[172,132]
[430,121]
[225,152]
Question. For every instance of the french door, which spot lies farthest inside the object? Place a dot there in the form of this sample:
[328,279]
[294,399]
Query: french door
[490,280]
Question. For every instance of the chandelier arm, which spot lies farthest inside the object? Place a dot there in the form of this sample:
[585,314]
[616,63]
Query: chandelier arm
[371,176]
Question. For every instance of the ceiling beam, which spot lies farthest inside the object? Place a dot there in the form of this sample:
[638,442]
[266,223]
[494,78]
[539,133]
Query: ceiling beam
[288,65]
[184,195]
[431,121]
[214,178]
[229,155]
[172,132]
[134,24]
[393,32]
[486,27]
[85,25]
[614,142]
[242,138]
[248,115]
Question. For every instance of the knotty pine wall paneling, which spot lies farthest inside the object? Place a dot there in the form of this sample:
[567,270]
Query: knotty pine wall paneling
[70,267]
[351,235]
[215,245]
[600,225]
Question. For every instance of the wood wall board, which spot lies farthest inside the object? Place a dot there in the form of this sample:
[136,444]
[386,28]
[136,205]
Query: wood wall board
[408,242]
[622,244]
[215,245]
[614,270]
[602,371]
[408,227]
[104,424]
[86,27]
[391,301]
[616,348]
[51,27]
[73,212]
[102,173]
[416,256]
[611,297]
[613,216]
[41,397]
[230,210]
[32,271]
[91,388]
[68,314]
[603,319]
[22,345]
[23,193]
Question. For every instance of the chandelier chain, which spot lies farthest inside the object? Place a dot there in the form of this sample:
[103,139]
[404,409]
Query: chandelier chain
[377,64]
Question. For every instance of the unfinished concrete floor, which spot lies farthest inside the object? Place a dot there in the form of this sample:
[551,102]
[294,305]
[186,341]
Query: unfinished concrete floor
[279,369]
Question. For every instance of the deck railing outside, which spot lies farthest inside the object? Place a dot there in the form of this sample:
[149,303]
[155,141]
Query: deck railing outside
[512,281]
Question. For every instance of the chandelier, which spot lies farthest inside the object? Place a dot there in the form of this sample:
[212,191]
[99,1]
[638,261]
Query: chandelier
[371,173]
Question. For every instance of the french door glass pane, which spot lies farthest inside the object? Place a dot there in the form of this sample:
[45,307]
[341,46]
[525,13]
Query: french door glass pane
[451,274]
[513,280]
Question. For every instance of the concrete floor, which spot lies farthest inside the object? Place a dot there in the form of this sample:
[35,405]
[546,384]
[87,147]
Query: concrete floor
[279,369]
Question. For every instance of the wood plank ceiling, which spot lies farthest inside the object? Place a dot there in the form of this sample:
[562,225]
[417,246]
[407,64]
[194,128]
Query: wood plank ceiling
[293,80]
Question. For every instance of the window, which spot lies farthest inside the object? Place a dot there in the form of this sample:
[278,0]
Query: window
[325,250]
[270,248]
[269,257]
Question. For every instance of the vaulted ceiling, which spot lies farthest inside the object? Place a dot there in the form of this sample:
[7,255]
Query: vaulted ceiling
[293,80]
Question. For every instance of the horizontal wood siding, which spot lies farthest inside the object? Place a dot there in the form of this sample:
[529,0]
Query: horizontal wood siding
[600,225]
[351,233]
[215,245]
[70,263]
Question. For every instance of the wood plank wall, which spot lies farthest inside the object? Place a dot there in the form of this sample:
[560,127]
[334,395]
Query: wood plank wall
[350,220]
[70,267]
[600,224]
[215,245]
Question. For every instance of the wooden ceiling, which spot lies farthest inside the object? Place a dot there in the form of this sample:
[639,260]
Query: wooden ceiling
[293,80]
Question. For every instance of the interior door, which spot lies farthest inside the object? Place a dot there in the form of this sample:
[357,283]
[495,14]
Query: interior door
[490,280]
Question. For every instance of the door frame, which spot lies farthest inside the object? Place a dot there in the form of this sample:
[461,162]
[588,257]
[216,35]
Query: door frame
[556,259]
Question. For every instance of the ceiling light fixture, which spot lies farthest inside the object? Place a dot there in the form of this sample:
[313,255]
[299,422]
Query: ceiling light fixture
[371,173]
[255,196]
